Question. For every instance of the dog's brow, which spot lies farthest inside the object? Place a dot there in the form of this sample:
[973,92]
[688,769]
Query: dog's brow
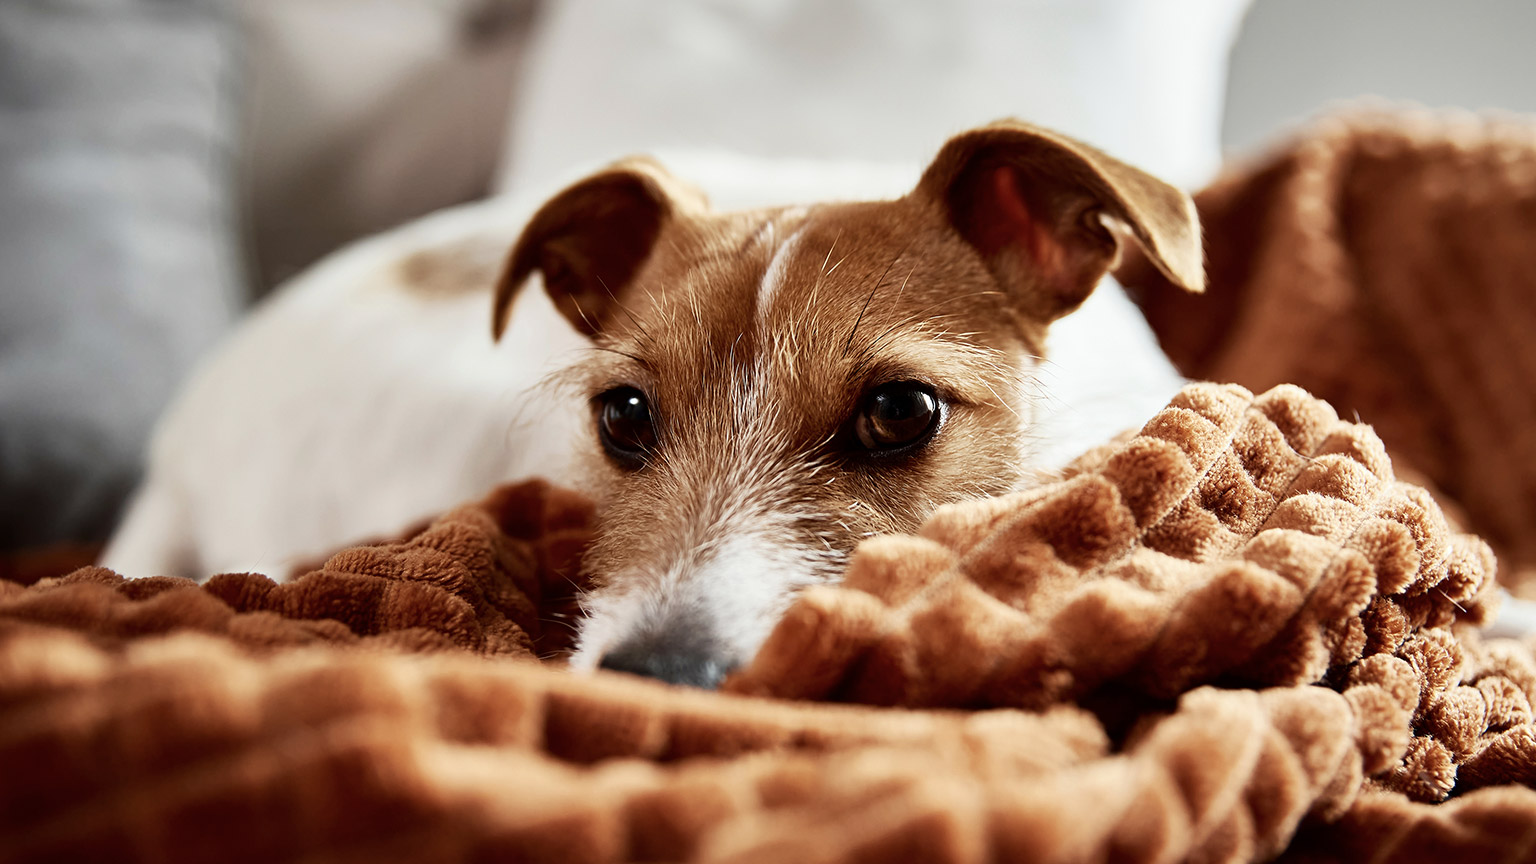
[608,367]
[970,371]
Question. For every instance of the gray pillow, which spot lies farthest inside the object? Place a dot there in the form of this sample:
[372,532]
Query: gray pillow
[117,261]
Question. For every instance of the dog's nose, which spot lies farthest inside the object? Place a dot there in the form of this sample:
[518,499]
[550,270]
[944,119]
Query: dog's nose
[693,668]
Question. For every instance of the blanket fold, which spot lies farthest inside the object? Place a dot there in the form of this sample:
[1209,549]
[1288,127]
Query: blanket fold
[1383,260]
[1233,637]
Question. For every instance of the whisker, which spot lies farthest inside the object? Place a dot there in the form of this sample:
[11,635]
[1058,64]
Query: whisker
[839,236]
[1000,400]
[865,308]
[810,302]
[583,313]
[625,309]
[906,280]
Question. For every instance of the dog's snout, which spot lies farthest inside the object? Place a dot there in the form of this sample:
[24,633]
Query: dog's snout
[692,666]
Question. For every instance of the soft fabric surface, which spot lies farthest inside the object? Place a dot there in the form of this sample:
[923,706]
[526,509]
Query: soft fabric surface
[884,80]
[116,240]
[360,115]
[1234,635]
[1387,263]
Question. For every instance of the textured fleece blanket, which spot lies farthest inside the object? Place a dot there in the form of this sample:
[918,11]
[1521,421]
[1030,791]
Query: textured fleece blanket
[1387,263]
[1234,636]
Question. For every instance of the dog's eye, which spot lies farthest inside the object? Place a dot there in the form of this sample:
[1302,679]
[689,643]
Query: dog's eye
[624,425]
[897,417]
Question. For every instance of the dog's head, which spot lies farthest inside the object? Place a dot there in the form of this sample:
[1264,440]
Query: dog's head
[768,388]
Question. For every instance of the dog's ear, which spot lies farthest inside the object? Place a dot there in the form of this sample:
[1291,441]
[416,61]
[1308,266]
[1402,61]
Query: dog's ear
[590,241]
[1047,214]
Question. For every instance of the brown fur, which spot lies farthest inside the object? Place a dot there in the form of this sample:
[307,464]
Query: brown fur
[755,336]
[461,267]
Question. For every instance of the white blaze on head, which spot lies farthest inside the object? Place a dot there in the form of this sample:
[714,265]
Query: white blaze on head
[773,277]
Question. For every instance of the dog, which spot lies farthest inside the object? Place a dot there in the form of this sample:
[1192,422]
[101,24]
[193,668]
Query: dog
[756,390]
[771,387]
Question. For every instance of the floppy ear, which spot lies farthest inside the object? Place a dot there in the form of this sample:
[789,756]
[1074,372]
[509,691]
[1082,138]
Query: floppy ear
[1047,214]
[590,240]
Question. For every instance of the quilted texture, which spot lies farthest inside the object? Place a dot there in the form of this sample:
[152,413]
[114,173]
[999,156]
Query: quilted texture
[1254,542]
[496,579]
[1234,636]
[1383,261]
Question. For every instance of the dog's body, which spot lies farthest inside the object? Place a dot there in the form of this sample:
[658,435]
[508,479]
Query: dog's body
[352,404]
[769,386]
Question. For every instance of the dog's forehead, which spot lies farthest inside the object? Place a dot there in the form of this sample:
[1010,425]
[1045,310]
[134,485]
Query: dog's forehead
[805,307]
[808,271]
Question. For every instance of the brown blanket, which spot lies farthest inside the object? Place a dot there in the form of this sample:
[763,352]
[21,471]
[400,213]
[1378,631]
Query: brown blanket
[1387,263]
[1233,637]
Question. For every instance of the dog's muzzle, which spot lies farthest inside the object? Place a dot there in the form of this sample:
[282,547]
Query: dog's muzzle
[676,656]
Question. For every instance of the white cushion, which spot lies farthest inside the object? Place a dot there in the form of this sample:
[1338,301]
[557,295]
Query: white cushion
[884,80]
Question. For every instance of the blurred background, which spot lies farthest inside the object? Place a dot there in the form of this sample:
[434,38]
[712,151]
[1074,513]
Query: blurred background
[166,163]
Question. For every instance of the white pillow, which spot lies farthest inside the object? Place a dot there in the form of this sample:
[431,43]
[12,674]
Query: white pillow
[883,80]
